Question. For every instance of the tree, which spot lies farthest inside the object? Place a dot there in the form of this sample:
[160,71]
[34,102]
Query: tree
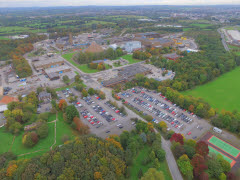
[80,126]
[222,177]
[84,93]
[71,112]
[214,167]
[97,176]
[62,105]
[77,78]
[102,95]
[66,79]
[153,174]
[177,138]
[42,130]
[156,163]
[189,150]
[185,165]
[30,139]
[91,91]
[162,125]
[226,167]
[202,148]
[124,136]
[140,173]
[199,165]
[160,154]
[79,87]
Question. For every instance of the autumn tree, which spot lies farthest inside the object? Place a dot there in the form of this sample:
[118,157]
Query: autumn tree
[62,105]
[177,138]
[80,126]
[202,148]
[199,165]
[84,93]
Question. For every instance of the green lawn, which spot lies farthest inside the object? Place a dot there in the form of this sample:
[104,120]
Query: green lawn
[4,38]
[99,22]
[137,165]
[233,47]
[69,86]
[130,59]
[83,67]
[187,29]
[6,140]
[63,129]
[222,93]
[52,117]
[43,144]
[201,25]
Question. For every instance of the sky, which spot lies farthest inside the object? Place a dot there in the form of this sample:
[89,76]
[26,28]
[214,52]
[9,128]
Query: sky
[47,3]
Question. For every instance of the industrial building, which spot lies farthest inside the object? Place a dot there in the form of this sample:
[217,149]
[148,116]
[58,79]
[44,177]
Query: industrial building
[126,74]
[155,42]
[172,56]
[132,45]
[45,62]
[59,70]
[235,35]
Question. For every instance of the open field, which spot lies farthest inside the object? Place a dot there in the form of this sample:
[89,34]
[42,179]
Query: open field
[233,47]
[69,86]
[137,165]
[63,129]
[6,140]
[43,144]
[14,30]
[222,93]
[201,25]
[4,38]
[99,22]
[130,59]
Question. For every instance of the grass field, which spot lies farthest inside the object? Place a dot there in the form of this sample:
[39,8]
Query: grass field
[43,144]
[201,25]
[83,67]
[63,129]
[6,140]
[4,38]
[222,93]
[217,152]
[99,22]
[130,59]
[137,165]
[233,47]
[69,86]
[224,146]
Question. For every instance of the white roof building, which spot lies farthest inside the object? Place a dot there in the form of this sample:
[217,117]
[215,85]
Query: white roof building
[3,108]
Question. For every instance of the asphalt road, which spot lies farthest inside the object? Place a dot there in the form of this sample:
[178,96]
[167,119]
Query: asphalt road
[223,40]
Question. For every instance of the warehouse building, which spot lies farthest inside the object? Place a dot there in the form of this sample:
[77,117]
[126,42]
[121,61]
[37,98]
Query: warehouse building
[44,63]
[126,74]
[155,42]
[51,72]
[132,45]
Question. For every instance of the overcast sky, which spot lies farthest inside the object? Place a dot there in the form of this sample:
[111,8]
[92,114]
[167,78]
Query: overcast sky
[45,3]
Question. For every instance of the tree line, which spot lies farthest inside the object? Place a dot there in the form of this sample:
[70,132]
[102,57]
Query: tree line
[86,57]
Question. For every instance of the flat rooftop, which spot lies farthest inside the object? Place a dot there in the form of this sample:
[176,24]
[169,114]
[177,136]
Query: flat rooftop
[57,69]
[47,60]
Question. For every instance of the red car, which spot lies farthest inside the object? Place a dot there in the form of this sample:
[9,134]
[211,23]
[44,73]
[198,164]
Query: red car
[189,133]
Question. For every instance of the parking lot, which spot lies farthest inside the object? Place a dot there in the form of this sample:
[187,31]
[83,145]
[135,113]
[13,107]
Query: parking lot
[161,109]
[102,119]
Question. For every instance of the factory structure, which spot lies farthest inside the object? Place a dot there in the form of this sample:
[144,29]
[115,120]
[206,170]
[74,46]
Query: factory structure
[126,74]
[153,39]
[52,67]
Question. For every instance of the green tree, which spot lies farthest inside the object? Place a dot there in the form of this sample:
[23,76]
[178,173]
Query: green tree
[66,79]
[71,112]
[153,174]
[91,91]
[42,130]
[84,93]
[185,166]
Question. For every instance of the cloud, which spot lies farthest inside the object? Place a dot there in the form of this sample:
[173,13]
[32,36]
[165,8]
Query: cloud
[45,3]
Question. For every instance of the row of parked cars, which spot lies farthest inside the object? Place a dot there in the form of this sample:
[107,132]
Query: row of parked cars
[103,113]
[114,109]
[91,119]
[172,110]
[174,122]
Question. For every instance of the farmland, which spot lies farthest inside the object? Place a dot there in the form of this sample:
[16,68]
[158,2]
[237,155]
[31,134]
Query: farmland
[222,93]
